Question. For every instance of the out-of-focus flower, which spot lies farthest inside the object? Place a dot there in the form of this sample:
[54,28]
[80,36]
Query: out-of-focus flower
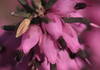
[49,37]
[91,40]
[65,63]
[8,46]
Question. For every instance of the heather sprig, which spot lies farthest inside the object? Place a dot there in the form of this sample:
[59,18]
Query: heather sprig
[47,38]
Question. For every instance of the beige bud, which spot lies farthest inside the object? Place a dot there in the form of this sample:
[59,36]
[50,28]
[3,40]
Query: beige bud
[23,27]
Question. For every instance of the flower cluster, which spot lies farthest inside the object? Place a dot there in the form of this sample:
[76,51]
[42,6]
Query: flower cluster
[47,38]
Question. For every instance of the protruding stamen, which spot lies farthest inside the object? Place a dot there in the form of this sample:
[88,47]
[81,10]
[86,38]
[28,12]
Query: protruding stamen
[82,54]
[34,63]
[9,27]
[45,19]
[72,55]
[85,68]
[80,40]
[62,43]
[78,20]
[95,25]
[53,67]
[18,55]
[87,61]
[79,6]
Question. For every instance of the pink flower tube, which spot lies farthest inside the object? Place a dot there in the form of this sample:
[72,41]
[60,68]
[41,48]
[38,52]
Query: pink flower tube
[29,40]
[63,8]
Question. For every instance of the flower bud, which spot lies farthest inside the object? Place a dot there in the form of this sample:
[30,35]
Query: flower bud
[23,27]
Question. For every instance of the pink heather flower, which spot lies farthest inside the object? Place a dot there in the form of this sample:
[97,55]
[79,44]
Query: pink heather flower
[63,8]
[94,15]
[46,45]
[54,27]
[45,65]
[72,42]
[91,39]
[78,27]
[62,35]
[30,38]
[65,63]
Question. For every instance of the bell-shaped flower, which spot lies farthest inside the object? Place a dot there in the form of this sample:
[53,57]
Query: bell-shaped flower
[30,38]
[64,62]
[71,38]
[54,26]
[63,8]
[45,65]
[91,40]
[49,49]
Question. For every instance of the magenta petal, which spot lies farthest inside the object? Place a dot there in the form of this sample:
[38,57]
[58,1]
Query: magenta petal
[92,40]
[67,28]
[94,15]
[30,38]
[71,38]
[65,63]
[79,27]
[45,65]
[48,47]
[63,7]
[54,27]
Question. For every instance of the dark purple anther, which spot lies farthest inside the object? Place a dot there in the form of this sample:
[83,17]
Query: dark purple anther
[79,6]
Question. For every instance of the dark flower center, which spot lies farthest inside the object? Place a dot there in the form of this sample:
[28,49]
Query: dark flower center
[53,67]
